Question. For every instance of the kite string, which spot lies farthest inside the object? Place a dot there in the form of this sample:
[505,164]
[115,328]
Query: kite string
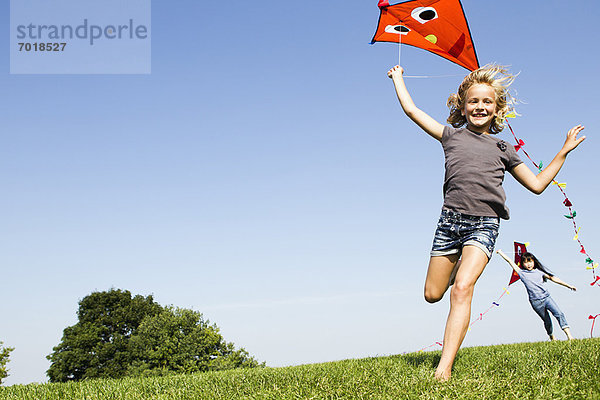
[593,318]
[571,216]
[431,76]
[567,203]
[400,49]
[495,304]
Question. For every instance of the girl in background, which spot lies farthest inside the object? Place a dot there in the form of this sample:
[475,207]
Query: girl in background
[534,276]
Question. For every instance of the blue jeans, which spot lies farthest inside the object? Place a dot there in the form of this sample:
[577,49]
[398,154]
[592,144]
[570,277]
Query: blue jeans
[542,306]
[455,230]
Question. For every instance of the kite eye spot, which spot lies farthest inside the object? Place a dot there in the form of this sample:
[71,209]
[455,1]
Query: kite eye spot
[397,29]
[432,38]
[424,14]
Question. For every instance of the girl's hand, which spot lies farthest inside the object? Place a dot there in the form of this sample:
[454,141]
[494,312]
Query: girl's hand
[572,140]
[573,288]
[395,72]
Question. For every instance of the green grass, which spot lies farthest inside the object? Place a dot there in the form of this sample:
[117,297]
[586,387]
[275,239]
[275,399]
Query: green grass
[549,370]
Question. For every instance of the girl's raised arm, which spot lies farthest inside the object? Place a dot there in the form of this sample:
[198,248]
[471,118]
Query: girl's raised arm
[557,280]
[425,122]
[508,260]
[538,183]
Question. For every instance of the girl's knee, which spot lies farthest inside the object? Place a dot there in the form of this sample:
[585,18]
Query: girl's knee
[432,295]
[430,298]
[462,291]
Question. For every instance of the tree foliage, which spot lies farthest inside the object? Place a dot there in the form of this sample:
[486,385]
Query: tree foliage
[97,345]
[4,359]
[180,340]
[119,335]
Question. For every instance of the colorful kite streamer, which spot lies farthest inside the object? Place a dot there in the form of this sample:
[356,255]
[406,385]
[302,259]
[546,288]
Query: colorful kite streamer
[494,304]
[520,249]
[571,216]
[593,318]
[572,213]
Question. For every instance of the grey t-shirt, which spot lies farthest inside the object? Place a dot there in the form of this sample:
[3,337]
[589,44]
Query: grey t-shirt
[534,283]
[475,167]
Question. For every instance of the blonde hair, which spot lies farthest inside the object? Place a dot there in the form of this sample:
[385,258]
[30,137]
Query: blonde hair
[499,79]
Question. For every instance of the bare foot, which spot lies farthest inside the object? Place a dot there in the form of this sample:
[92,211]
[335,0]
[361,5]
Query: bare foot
[442,376]
[568,333]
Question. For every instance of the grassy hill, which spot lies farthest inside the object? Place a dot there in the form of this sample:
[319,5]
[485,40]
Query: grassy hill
[549,370]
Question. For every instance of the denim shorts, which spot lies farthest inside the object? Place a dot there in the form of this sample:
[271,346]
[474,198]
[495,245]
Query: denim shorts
[456,230]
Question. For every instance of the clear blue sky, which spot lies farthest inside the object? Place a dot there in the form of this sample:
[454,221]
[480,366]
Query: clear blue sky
[264,174]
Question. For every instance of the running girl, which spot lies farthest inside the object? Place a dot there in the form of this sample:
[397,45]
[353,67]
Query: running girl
[474,200]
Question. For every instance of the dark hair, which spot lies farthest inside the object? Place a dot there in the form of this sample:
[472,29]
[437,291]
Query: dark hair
[536,263]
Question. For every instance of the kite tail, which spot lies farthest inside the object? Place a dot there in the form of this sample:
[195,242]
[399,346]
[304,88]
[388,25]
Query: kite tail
[593,318]
[495,303]
[572,213]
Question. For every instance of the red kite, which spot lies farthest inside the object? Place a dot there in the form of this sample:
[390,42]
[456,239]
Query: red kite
[438,26]
[520,249]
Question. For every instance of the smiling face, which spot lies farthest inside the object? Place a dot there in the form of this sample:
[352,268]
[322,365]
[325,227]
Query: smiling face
[528,264]
[480,107]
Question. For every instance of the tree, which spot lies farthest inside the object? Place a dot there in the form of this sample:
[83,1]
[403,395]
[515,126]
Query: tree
[119,335]
[97,345]
[181,341]
[4,359]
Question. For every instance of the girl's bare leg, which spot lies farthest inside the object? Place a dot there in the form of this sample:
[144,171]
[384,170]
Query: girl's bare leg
[568,333]
[439,273]
[473,263]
